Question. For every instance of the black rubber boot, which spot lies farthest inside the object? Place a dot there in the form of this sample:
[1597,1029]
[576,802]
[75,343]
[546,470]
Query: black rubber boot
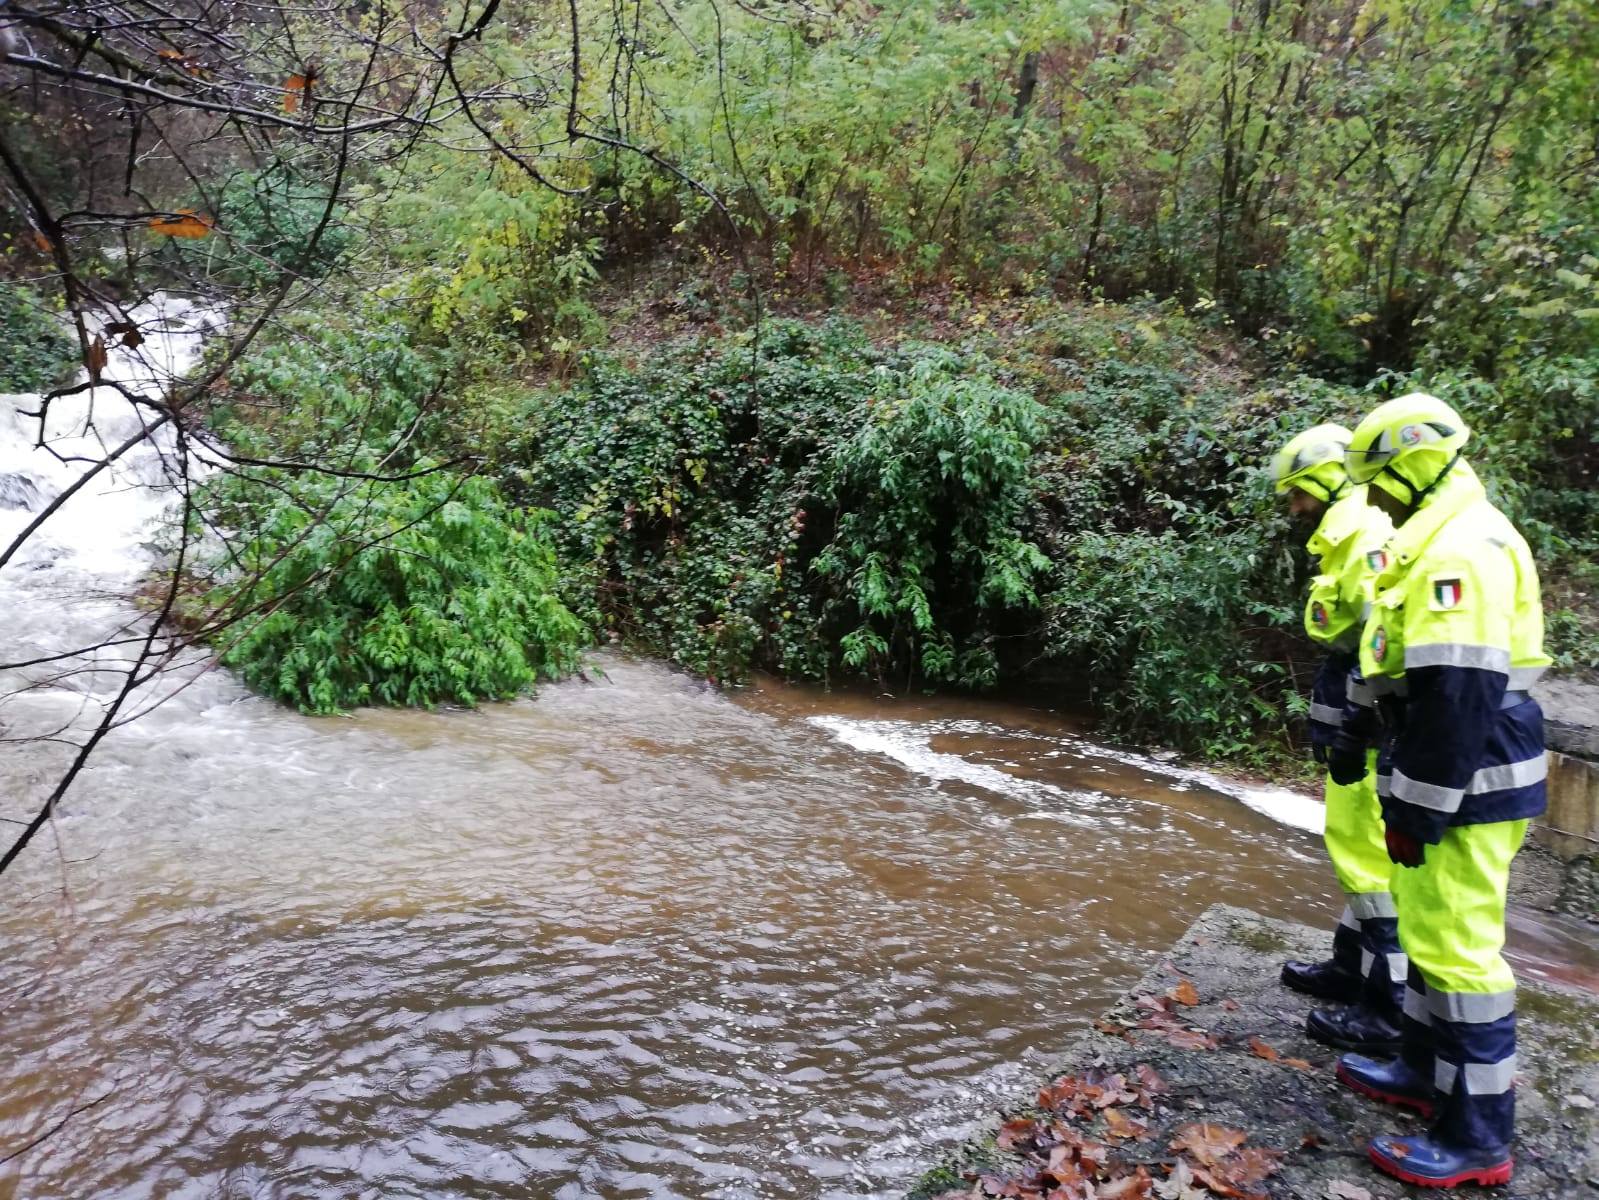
[1323,980]
[1354,1028]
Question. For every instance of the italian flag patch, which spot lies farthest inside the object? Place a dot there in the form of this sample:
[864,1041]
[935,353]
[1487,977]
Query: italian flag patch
[1447,593]
[1377,560]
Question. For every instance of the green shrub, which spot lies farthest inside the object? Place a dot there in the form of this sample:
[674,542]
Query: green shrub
[428,592]
[265,222]
[36,351]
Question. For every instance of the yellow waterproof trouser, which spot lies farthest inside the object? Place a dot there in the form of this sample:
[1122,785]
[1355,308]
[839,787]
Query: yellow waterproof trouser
[1366,942]
[1460,998]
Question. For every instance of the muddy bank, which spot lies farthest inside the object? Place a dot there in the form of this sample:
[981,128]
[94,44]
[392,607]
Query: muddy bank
[1245,1066]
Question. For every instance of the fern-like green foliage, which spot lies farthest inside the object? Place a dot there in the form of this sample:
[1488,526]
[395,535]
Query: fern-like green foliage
[36,352]
[426,592]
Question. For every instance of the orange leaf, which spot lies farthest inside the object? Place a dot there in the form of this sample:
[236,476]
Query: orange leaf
[170,54]
[1118,1125]
[97,358]
[1185,993]
[1262,1050]
[1128,1187]
[187,224]
[1190,1039]
[1208,1143]
[45,244]
[1298,1064]
[297,90]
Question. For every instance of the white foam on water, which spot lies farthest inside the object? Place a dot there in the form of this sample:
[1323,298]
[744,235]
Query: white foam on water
[909,743]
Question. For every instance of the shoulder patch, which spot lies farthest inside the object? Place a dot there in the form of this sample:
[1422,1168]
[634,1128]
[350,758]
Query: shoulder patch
[1446,592]
[1379,644]
[1377,560]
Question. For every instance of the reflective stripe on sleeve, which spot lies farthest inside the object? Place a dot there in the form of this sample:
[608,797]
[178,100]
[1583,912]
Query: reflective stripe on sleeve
[1327,714]
[1510,775]
[1366,906]
[1426,795]
[1385,785]
[1458,654]
[1359,692]
[1474,1008]
[1522,678]
[1347,919]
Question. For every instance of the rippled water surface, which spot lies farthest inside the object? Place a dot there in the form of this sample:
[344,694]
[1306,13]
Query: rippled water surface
[632,938]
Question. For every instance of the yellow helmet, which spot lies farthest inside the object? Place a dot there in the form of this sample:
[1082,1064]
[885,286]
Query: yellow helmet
[1406,445]
[1313,462]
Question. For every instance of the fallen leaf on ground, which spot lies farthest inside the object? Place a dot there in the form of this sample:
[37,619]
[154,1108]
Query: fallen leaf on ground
[1208,1143]
[1342,1189]
[1180,1185]
[1190,1039]
[1298,1064]
[1263,1050]
[1016,1134]
[1185,993]
[1118,1125]
[1129,1187]
[1112,1028]
[1150,1082]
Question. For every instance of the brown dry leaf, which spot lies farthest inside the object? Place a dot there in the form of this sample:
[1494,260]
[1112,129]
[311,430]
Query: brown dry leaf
[1190,1039]
[44,244]
[1120,1127]
[1150,1082]
[1185,993]
[1129,1187]
[187,224]
[97,358]
[1298,1064]
[297,90]
[170,55]
[1207,1143]
[1262,1050]
[1153,1003]
[1017,1133]
[1062,1166]
[1179,1184]
[1113,1029]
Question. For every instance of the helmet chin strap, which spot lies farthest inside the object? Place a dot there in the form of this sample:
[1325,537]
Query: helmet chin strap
[1417,496]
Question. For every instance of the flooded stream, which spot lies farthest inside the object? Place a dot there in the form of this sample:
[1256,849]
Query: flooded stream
[634,937]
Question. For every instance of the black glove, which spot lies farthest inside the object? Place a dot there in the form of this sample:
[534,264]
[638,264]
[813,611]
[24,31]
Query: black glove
[1345,764]
[1318,752]
[1404,849]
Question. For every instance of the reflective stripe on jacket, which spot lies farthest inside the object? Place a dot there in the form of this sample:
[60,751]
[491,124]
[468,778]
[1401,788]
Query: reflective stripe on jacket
[1458,622]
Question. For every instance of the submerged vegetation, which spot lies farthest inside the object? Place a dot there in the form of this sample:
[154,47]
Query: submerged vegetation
[937,345]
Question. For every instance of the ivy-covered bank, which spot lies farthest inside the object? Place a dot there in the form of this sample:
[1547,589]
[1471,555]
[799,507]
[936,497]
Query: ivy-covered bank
[1034,493]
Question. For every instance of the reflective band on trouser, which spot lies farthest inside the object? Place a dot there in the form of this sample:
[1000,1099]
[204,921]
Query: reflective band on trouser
[1481,1079]
[1327,714]
[1453,930]
[1354,837]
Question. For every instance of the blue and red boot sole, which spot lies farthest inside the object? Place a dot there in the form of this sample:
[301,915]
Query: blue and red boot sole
[1488,1175]
[1401,1099]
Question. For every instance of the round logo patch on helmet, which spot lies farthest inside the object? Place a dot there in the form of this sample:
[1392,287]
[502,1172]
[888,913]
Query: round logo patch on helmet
[1379,643]
[1410,435]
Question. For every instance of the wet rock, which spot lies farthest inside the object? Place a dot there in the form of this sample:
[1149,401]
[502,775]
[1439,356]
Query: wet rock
[1267,1080]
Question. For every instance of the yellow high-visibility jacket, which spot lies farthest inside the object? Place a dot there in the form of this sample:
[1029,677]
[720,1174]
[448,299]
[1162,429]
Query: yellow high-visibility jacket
[1454,639]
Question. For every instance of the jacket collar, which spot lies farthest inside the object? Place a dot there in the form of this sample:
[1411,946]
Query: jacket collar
[1459,491]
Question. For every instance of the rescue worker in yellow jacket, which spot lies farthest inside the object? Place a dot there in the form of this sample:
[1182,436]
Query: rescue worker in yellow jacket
[1454,639]
[1367,968]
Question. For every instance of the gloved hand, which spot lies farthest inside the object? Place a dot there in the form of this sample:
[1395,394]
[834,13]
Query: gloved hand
[1319,753]
[1404,849]
[1345,765]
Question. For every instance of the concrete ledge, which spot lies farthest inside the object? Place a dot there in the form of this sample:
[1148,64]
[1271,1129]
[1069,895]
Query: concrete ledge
[1232,957]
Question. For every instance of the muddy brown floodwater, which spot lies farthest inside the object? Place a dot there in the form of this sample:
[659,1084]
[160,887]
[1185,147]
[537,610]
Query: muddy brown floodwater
[634,937]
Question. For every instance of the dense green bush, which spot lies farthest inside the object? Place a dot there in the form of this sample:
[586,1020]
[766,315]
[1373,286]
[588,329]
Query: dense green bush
[265,224]
[36,351]
[428,592]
